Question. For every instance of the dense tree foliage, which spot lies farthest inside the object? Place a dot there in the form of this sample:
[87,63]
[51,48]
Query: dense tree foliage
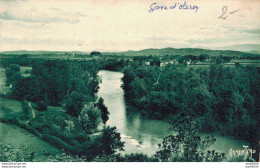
[216,99]
[186,145]
[113,64]
[110,141]
[41,106]
[12,74]
[95,53]
[223,98]
[89,118]
[54,81]
[104,110]
[74,103]
[70,85]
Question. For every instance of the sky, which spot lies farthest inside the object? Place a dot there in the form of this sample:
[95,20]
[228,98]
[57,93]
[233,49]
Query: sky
[120,25]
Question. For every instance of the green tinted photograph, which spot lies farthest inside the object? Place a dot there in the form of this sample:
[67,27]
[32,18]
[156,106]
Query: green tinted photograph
[129,81]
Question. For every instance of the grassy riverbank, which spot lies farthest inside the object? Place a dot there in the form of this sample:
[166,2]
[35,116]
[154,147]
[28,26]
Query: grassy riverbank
[36,133]
[18,137]
[18,134]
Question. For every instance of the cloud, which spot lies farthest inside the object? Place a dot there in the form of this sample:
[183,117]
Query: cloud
[121,25]
[206,40]
[8,0]
[53,15]
[50,41]
[246,30]
[242,16]
[223,41]
[158,39]
[253,31]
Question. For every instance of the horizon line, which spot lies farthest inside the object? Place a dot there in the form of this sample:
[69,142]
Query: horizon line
[118,51]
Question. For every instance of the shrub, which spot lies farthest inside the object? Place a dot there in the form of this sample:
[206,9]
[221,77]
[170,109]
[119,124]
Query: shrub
[9,154]
[74,104]
[41,106]
[56,142]
[25,107]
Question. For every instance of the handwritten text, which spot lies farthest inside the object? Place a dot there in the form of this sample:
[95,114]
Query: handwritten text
[177,5]
[225,14]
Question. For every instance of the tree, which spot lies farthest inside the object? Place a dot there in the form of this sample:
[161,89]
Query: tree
[182,60]
[15,67]
[20,88]
[41,105]
[69,128]
[202,57]
[187,145]
[74,104]
[95,53]
[155,61]
[219,60]
[13,74]
[89,117]
[103,109]
[25,107]
[111,141]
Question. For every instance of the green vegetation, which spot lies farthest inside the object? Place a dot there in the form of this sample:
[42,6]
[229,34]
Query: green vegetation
[183,52]
[9,154]
[222,98]
[95,53]
[58,103]
[103,108]
[184,146]
[113,64]
[69,86]
[22,154]
[26,140]
[187,145]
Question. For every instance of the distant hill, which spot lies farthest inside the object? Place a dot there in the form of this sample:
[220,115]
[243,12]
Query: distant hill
[250,48]
[182,52]
[254,52]
[146,52]
[20,52]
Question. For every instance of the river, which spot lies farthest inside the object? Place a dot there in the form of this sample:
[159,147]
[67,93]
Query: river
[142,135]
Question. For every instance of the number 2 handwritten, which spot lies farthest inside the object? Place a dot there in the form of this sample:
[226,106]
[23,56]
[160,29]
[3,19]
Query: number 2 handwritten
[224,13]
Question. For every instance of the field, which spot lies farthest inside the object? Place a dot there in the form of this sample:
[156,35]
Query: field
[25,71]
[10,133]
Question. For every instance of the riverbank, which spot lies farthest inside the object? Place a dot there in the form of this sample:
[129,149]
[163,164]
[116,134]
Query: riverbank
[19,134]
[43,127]
[18,138]
[141,134]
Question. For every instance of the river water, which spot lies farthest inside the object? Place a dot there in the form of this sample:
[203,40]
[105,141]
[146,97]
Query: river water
[142,135]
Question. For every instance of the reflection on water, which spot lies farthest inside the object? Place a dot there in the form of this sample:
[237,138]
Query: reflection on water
[139,134]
